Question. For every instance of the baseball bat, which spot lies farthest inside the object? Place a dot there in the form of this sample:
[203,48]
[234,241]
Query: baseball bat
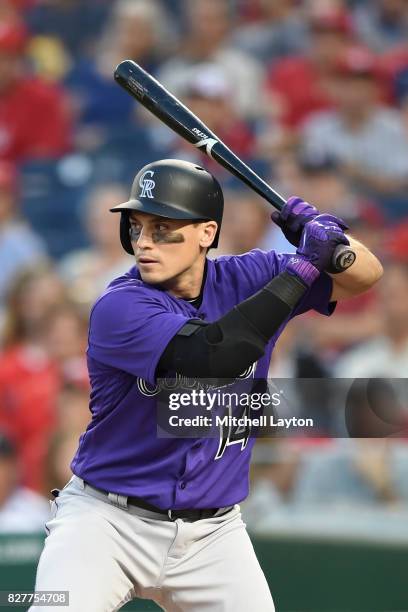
[166,107]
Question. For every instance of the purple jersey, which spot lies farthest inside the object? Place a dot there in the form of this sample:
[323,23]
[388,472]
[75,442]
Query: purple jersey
[130,326]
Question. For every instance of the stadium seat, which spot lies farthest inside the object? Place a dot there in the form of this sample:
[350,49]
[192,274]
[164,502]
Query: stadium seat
[51,195]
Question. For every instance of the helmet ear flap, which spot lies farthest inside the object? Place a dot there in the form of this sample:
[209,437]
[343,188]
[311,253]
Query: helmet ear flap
[125,233]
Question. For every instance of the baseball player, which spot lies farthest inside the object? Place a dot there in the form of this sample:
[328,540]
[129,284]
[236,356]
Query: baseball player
[158,518]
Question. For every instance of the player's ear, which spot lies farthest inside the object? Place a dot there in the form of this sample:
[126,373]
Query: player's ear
[208,231]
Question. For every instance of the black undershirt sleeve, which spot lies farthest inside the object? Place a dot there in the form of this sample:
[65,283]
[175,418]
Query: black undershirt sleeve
[227,347]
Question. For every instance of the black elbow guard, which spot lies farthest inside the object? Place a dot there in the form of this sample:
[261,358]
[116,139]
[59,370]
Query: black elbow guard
[233,345]
[223,349]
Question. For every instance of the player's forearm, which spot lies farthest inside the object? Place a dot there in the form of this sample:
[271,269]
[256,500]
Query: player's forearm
[361,276]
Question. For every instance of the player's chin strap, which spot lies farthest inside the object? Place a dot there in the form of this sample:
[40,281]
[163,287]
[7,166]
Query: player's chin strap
[227,347]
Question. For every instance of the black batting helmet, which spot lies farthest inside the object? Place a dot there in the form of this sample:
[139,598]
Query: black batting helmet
[174,189]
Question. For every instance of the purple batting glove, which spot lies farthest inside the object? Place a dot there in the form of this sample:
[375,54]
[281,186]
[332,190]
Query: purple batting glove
[294,216]
[303,269]
[315,252]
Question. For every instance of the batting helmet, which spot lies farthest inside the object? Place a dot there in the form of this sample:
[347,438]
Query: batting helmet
[174,189]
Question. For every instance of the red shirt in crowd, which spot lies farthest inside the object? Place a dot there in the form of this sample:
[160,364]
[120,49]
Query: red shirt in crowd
[29,385]
[34,121]
[300,87]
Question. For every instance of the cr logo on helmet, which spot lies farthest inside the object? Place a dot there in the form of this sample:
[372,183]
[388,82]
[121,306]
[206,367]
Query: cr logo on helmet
[147,185]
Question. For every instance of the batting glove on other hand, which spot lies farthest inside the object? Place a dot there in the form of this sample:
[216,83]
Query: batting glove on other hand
[319,240]
[294,216]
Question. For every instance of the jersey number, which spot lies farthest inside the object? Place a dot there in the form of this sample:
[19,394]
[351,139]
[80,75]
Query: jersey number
[234,435]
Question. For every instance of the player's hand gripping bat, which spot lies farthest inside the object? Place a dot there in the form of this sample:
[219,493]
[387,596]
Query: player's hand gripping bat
[149,92]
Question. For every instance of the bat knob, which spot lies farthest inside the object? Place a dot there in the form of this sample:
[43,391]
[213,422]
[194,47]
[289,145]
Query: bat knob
[343,258]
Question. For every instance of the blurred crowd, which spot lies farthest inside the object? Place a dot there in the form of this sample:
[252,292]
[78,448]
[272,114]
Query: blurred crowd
[313,94]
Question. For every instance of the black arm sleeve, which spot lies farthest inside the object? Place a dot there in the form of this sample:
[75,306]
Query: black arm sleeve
[227,347]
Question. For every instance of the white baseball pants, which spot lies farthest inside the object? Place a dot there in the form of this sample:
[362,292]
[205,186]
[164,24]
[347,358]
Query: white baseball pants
[106,555]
